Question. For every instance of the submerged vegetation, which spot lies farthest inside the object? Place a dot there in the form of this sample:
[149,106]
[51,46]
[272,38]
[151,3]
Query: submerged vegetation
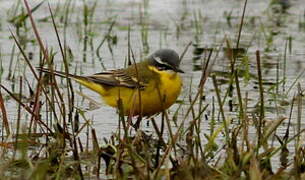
[239,117]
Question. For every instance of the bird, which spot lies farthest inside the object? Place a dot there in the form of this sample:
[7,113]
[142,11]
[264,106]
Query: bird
[145,88]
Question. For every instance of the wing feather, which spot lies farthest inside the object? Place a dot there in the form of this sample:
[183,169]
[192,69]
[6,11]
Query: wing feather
[116,78]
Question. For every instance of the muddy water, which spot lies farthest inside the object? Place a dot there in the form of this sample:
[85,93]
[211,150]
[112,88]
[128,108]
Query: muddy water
[169,24]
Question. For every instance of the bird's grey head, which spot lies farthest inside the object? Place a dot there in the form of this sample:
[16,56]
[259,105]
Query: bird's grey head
[165,59]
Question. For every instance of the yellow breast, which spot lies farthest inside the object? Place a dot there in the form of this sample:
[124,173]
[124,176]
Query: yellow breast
[170,86]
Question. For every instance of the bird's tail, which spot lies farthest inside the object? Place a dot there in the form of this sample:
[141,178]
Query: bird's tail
[86,81]
[57,73]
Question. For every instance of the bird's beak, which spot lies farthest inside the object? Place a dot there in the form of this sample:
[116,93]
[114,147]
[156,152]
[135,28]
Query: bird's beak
[179,70]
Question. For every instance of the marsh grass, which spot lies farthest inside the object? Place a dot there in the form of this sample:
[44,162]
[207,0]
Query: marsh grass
[51,144]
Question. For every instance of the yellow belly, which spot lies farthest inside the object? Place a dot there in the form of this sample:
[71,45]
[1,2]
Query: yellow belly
[156,96]
[148,101]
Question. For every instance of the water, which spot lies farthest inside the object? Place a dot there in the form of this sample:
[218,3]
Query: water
[168,24]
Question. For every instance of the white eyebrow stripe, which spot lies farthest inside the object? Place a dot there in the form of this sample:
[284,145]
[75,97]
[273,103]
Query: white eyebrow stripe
[158,60]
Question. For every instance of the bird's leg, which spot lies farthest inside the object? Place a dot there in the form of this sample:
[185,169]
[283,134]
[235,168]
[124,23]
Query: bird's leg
[136,125]
[138,122]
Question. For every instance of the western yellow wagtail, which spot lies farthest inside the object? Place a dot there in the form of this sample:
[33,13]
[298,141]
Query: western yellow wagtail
[144,88]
